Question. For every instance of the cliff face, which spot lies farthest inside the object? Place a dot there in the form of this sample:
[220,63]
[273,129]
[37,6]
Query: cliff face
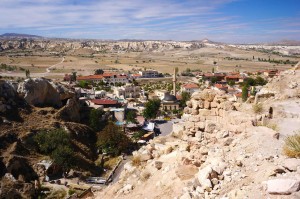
[221,149]
[60,45]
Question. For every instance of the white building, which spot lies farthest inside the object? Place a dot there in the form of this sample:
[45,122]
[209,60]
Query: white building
[189,88]
[112,79]
[127,91]
[148,73]
[100,94]
[160,93]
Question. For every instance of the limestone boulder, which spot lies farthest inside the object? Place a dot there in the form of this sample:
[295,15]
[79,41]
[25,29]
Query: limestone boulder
[210,126]
[70,112]
[291,164]
[39,92]
[283,186]
[64,92]
[203,177]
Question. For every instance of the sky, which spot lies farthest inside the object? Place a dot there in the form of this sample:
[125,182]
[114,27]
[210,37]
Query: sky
[231,21]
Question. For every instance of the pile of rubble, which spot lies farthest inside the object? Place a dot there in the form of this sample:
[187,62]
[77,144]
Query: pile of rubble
[217,152]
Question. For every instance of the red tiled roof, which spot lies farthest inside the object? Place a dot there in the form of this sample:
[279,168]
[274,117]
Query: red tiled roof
[136,75]
[221,86]
[122,76]
[233,77]
[240,94]
[190,85]
[109,74]
[90,77]
[104,101]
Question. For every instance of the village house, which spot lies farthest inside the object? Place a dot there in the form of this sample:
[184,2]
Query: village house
[136,76]
[189,88]
[221,87]
[113,78]
[127,91]
[91,78]
[211,76]
[148,73]
[235,78]
[105,103]
[100,94]
[270,73]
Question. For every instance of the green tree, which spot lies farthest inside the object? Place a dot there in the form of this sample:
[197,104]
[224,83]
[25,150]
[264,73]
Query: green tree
[213,70]
[99,72]
[249,82]
[57,144]
[231,83]
[131,116]
[245,93]
[63,156]
[95,119]
[83,84]
[260,81]
[185,96]
[74,76]
[214,80]
[112,140]
[27,73]
[151,109]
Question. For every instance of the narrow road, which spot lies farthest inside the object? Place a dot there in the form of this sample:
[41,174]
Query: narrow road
[165,128]
[119,170]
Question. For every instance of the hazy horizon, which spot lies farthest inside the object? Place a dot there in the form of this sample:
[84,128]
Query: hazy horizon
[230,21]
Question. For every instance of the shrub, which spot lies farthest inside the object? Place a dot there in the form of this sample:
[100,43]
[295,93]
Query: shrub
[71,192]
[291,146]
[273,126]
[145,176]
[136,161]
[257,108]
[57,144]
[95,119]
[112,140]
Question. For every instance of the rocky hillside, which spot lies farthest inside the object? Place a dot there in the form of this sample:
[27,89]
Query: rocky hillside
[223,149]
[97,46]
[25,110]
[93,46]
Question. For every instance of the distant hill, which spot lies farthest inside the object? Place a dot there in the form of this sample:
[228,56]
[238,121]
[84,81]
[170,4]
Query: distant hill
[287,43]
[16,35]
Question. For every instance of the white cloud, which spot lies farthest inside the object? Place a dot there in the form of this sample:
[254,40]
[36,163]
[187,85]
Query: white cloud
[118,19]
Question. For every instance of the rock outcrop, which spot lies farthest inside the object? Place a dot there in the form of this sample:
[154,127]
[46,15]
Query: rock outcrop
[216,151]
[39,92]
[8,96]
[70,112]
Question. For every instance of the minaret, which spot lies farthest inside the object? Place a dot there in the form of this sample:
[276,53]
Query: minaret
[174,82]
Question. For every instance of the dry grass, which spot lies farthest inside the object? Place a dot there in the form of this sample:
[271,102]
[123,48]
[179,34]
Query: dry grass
[145,175]
[111,163]
[136,161]
[258,108]
[291,146]
[164,62]
[273,127]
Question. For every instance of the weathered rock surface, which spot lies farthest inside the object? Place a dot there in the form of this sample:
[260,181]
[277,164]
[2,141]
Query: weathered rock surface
[283,186]
[39,92]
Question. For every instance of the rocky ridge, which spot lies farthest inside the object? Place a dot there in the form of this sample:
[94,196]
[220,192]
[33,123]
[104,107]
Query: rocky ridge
[25,110]
[221,150]
[111,46]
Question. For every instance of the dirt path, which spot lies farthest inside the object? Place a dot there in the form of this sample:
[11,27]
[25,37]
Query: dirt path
[48,70]
[47,73]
